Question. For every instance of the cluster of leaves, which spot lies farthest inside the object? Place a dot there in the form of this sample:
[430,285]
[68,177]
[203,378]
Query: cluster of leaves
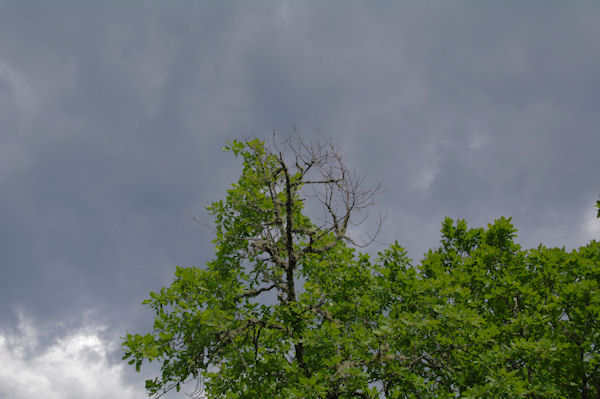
[288,309]
[482,318]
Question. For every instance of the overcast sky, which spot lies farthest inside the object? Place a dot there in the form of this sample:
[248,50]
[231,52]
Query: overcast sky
[112,118]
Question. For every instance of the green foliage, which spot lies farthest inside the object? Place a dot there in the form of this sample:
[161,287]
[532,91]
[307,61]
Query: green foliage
[491,320]
[287,309]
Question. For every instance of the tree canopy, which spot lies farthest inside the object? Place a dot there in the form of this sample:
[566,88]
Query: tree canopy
[289,308]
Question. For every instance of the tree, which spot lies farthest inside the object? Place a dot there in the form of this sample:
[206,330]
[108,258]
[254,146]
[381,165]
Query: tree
[289,309]
[482,318]
[242,324]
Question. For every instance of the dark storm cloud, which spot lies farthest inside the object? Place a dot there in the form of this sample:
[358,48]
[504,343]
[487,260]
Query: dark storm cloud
[104,168]
[112,117]
[499,120]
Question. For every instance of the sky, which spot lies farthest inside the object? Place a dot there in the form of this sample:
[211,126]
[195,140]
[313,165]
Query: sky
[113,116]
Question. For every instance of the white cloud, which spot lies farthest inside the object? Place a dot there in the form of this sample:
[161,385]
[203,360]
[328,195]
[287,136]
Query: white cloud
[75,366]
